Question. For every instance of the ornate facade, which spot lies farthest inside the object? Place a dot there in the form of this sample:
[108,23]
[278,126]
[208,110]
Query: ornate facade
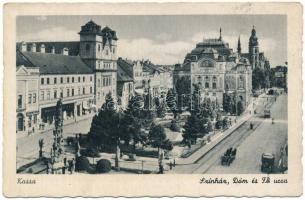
[216,69]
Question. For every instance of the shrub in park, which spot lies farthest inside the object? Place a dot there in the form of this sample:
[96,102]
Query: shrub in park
[175,126]
[103,166]
[81,164]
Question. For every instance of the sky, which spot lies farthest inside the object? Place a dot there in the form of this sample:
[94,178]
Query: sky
[165,39]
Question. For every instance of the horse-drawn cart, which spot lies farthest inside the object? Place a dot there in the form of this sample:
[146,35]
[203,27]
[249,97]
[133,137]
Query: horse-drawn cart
[228,157]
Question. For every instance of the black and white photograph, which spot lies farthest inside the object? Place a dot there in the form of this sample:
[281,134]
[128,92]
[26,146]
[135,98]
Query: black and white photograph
[152,99]
[151,94]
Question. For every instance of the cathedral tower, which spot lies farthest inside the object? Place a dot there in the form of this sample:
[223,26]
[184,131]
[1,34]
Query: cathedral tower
[98,49]
[239,46]
[253,49]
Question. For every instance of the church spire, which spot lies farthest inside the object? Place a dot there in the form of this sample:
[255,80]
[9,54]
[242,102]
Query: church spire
[220,37]
[239,46]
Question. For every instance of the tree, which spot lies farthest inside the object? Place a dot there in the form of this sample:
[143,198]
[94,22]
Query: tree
[171,102]
[183,90]
[218,121]
[106,128]
[135,120]
[258,78]
[240,108]
[196,98]
[192,128]
[161,109]
[226,103]
[157,136]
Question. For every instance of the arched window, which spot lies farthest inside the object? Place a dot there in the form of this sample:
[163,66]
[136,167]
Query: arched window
[214,79]
[207,85]
[214,85]
[206,78]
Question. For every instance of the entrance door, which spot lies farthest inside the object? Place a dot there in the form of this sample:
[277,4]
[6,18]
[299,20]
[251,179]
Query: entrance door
[20,123]
[78,110]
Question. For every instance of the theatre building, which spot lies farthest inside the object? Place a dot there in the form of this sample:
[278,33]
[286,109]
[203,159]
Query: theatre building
[217,70]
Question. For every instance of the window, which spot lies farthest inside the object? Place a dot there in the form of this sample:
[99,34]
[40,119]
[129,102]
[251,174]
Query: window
[72,79]
[55,94]
[34,98]
[99,47]
[87,47]
[68,79]
[55,80]
[79,79]
[113,50]
[19,101]
[48,95]
[84,89]
[42,81]
[90,78]
[48,80]
[98,95]
[104,82]
[61,93]
[78,91]
[207,85]
[107,52]
[199,79]
[214,85]
[61,79]
[83,79]
[207,78]
[42,95]
[90,90]
[68,92]
[72,92]
[30,98]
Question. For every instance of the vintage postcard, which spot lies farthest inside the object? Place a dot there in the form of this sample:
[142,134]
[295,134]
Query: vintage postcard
[138,99]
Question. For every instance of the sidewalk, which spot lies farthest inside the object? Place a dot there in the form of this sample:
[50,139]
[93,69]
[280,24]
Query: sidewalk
[197,155]
[142,164]
[51,126]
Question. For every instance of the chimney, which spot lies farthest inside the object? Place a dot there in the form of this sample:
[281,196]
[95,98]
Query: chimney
[53,50]
[65,51]
[33,47]
[42,48]
[23,47]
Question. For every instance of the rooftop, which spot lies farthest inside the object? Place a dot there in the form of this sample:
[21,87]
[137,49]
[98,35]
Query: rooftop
[53,63]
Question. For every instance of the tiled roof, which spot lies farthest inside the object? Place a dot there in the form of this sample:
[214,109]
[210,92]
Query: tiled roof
[53,63]
[126,65]
[122,75]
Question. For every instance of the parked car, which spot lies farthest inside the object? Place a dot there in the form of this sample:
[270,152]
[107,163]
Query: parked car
[267,113]
[267,162]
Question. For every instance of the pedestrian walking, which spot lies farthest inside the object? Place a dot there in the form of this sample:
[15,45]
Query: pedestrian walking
[170,165]
[73,165]
[65,161]
[63,170]
[70,166]
[174,162]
